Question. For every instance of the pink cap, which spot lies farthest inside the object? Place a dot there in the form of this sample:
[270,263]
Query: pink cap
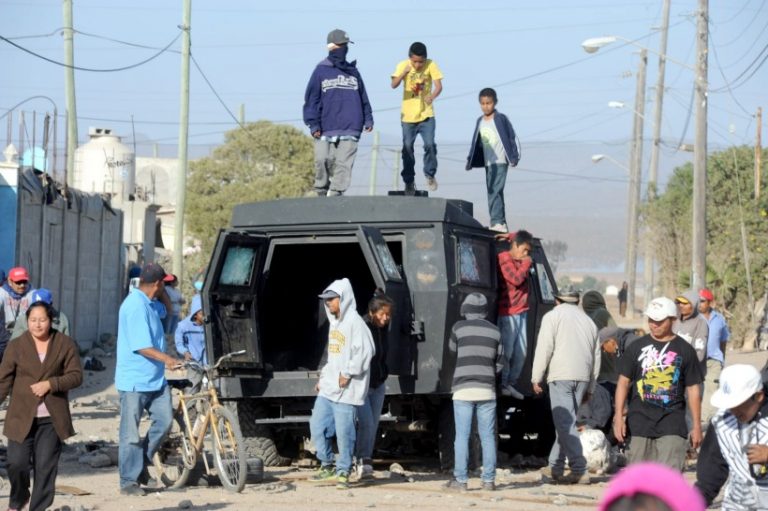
[653,479]
[18,274]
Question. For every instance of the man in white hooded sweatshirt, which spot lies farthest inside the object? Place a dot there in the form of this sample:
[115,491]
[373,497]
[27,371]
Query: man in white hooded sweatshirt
[343,383]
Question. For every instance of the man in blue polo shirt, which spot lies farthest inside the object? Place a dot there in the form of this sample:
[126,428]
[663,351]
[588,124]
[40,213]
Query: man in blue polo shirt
[140,378]
[716,341]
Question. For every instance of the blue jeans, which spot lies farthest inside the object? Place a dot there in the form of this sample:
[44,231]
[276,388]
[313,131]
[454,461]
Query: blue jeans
[368,415]
[331,419]
[426,129]
[565,398]
[486,428]
[135,452]
[495,178]
[514,338]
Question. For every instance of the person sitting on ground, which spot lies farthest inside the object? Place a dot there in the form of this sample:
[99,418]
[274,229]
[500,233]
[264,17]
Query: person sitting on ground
[735,448]
[477,345]
[650,487]
[60,320]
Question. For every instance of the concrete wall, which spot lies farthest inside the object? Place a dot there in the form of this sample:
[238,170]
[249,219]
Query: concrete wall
[76,251]
[8,190]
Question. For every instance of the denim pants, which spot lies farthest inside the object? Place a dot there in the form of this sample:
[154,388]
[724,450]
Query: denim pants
[135,452]
[331,419]
[333,165]
[495,179]
[514,338]
[486,428]
[565,398]
[426,129]
[368,415]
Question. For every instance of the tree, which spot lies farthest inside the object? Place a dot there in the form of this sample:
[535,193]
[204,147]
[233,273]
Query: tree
[260,161]
[730,205]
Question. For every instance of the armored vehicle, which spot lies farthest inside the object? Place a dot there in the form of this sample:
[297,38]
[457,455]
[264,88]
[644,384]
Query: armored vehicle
[260,295]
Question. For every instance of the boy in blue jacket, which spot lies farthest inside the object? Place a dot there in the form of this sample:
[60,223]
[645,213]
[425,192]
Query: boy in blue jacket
[494,148]
[336,110]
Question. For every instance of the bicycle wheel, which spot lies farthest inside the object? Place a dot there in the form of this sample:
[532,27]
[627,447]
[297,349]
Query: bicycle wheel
[228,449]
[177,456]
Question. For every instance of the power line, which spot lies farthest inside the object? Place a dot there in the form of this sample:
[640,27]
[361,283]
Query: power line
[94,70]
[720,69]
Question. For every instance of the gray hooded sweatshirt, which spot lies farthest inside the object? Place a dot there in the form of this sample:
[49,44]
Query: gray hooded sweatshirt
[694,328]
[350,349]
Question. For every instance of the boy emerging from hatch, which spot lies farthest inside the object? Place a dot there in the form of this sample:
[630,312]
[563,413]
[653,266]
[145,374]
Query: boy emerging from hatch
[343,383]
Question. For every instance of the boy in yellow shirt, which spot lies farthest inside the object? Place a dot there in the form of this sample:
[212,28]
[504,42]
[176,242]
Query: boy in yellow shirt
[422,83]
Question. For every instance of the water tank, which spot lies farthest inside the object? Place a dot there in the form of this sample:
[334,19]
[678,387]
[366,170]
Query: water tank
[105,165]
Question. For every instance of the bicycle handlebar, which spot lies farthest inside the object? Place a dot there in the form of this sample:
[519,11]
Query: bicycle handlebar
[197,366]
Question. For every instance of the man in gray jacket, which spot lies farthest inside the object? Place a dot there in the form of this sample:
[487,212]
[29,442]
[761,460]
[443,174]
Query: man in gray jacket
[343,383]
[568,351]
[692,326]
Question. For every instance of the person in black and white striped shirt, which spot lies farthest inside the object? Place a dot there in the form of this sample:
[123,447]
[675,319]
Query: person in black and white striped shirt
[735,448]
[477,344]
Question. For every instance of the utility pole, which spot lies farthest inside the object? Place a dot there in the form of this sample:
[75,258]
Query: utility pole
[636,171]
[181,178]
[241,116]
[653,170]
[758,151]
[374,161]
[396,168]
[69,89]
[699,227]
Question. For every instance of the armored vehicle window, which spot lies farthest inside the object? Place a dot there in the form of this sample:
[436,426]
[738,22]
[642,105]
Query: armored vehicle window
[547,293]
[238,266]
[474,262]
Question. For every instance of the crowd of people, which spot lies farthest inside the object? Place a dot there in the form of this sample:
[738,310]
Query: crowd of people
[337,112]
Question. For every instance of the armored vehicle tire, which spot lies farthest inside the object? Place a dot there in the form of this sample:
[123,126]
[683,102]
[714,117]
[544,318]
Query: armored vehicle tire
[264,447]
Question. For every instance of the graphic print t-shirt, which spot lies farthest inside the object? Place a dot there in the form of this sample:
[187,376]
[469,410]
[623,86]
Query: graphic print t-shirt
[493,149]
[659,373]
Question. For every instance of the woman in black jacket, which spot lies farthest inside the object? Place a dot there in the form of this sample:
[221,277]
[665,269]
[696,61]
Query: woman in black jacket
[380,309]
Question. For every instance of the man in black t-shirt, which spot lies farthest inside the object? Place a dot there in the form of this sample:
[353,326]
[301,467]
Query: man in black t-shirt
[659,373]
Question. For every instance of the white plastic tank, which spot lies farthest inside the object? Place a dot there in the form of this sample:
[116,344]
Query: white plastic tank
[105,165]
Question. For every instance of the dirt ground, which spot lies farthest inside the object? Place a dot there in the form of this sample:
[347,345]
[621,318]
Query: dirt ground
[96,418]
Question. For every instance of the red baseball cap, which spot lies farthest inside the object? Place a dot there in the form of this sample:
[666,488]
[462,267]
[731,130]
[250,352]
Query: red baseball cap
[18,274]
[169,277]
[706,294]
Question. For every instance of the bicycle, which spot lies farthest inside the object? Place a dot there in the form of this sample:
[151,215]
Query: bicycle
[195,416]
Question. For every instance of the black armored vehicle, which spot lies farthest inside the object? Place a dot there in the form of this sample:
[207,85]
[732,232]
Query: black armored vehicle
[260,295]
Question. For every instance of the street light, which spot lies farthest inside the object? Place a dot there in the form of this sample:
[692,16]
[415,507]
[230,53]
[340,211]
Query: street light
[699,220]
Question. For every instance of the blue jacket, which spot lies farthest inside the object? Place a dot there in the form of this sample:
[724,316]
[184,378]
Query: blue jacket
[335,102]
[189,336]
[476,156]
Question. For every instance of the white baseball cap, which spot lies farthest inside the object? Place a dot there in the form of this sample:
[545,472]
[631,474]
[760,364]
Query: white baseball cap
[661,308]
[738,383]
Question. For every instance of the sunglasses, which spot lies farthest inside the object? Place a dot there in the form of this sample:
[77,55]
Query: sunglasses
[20,282]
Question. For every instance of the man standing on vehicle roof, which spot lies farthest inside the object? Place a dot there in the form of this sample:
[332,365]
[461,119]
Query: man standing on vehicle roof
[336,110]
[343,383]
[514,265]
[140,379]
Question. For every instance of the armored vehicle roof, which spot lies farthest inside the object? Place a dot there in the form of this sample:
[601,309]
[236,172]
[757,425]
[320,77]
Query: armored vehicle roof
[351,209]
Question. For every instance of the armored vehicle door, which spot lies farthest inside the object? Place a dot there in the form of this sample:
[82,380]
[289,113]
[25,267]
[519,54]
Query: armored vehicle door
[389,277]
[230,300]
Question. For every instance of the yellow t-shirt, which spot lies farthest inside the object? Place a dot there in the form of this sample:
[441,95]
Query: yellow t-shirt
[416,87]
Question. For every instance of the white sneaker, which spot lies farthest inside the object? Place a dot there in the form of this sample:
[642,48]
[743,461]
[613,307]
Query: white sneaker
[510,391]
[366,472]
[499,227]
[431,183]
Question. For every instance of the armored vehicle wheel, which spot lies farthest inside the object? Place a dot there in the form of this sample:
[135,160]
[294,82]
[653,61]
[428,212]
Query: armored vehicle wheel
[264,447]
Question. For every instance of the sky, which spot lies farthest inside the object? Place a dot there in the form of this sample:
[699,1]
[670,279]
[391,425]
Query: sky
[261,54]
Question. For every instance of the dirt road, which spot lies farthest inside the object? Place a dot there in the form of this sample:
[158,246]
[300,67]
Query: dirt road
[96,419]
